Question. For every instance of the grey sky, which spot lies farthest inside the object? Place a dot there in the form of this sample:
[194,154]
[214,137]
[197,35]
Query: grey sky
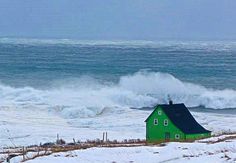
[119,19]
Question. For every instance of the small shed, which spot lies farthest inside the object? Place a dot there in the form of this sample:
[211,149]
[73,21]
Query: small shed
[173,122]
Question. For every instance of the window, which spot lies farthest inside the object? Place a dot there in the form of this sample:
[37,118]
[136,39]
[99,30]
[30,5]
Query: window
[159,112]
[177,136]
[155,122]
[166,122]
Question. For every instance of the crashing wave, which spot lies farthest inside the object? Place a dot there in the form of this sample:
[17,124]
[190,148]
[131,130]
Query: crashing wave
[132,91]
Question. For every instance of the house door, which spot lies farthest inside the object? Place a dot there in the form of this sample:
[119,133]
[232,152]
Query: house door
[167,136]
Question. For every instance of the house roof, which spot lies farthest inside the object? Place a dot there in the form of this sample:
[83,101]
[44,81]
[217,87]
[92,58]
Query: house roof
[182,118]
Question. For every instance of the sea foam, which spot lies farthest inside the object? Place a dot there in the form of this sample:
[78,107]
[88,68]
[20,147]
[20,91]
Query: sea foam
[87,97]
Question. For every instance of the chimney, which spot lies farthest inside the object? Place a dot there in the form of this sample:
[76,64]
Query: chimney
[170,101]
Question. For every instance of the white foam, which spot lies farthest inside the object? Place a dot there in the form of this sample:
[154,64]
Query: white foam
[88,97]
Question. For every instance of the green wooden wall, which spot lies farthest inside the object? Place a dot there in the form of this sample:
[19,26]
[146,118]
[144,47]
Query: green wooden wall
[156,133]
[197,136]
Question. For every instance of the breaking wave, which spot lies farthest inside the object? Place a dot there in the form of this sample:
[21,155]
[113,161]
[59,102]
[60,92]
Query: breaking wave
[87,97]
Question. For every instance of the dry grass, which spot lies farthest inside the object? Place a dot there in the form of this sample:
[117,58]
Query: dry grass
[32,152]
[227,137]
[62,146]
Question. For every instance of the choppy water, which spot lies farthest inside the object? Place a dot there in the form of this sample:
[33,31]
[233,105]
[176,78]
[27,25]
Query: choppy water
[82,78]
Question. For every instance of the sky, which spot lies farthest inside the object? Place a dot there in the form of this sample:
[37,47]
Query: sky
[119,19]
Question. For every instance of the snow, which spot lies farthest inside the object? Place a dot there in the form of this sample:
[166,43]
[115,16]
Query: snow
[28,127]
[18,128]
[35,126]
[172,152]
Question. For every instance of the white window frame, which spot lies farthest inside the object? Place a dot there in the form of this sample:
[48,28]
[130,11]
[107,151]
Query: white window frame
[177,136]
[155,121]
[166,122]
[159,112]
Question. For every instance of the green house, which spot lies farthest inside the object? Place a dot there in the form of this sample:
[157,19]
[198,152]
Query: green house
[173,122]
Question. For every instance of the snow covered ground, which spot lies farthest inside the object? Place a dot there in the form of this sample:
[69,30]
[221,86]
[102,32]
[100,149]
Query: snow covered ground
[27,127]
[32,126]
[172,152]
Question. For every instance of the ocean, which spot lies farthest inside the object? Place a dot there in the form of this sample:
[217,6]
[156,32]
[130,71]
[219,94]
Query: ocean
[82,81]
[39,63]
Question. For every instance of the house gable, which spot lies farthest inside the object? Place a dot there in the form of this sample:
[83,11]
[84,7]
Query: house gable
[158,125]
